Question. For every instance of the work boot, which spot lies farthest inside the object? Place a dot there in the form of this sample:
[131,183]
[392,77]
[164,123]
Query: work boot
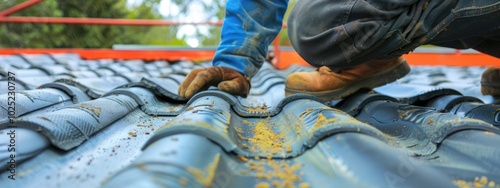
[330,85]
[490,81]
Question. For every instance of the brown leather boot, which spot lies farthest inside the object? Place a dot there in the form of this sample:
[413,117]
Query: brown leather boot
[490,81]
[329,85]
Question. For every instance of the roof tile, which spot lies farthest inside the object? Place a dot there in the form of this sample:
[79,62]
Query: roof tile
[86,121]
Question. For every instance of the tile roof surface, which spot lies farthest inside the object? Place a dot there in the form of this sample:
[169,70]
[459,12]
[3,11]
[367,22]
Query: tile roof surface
[105,123]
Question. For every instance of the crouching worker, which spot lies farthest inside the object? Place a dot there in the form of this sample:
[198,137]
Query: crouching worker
[353,43]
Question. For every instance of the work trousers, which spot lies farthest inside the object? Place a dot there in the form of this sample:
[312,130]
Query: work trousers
[344,33]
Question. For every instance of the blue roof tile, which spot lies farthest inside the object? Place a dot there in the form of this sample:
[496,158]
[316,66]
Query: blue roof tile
[106,123]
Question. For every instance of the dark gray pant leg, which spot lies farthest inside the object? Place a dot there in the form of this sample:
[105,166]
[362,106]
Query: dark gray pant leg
[473,24]
[349,32]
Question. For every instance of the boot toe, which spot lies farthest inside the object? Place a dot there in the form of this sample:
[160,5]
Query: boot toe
[297,81]
[490,81]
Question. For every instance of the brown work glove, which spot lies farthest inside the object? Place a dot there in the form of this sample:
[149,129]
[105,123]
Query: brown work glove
[225,79]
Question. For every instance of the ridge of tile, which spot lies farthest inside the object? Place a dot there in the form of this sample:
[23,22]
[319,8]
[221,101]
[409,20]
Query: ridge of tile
[193,161]
[31,83]
[303,122]
[355,103]
[69,127]
[103,72]
[77,95]
[134,77]
[81,74]
[116,68]
[251,111]
[95,87]
[467,106]
[181,71]
[51,69]
[410,125]
[150,103]
[31,100]
[470,90]
[489,113]
[409,94]
[166,87]
[176,77]
[446,102]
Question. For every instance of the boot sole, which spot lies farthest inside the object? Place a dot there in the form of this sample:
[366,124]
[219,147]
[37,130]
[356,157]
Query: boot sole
[370,82]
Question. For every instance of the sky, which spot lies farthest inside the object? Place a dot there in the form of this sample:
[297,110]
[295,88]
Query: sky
[195,14]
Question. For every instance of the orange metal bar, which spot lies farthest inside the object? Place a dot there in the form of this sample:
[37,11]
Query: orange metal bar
[19,7]
[287,57]
[100,21]
[454,59]
[148,55]
[277,51]
[415,59]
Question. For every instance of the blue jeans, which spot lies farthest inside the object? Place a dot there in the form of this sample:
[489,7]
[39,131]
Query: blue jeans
[344,33]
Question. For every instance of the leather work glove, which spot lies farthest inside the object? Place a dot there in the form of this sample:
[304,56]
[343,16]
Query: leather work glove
[225,79]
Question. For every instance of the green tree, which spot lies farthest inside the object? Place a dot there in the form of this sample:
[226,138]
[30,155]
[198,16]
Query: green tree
[212,10]
[31,35]
[85,36]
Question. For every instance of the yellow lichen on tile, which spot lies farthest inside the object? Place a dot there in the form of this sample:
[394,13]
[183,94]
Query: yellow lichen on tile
[95,110]
[304,185]
[281,173]
[257,109]
[479,182]
[242,158]
[206,179]
[288,149]
[265,139]
[262,185]
[491,184]
[322,120]
[238,129]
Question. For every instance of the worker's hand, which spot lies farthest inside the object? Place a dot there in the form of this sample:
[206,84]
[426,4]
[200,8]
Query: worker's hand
[225,79]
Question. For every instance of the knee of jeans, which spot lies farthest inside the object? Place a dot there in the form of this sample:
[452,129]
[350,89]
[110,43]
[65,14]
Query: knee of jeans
[326,49]
[318,35]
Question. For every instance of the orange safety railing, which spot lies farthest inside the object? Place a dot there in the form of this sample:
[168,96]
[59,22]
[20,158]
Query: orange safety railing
[284,58]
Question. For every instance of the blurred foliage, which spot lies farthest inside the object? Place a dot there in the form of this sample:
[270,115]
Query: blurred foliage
[85,36]
[27,35]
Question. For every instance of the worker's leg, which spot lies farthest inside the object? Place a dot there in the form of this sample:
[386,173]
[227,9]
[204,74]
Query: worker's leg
[344,33]
[472,24]
[351,34]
